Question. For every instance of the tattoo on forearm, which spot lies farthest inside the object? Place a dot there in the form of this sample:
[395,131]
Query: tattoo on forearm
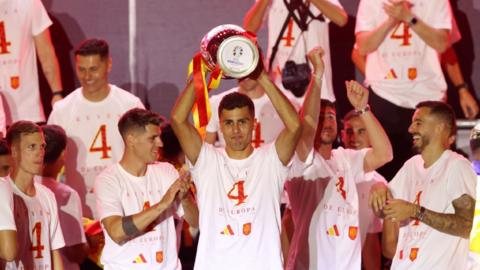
[459,223]
[129,227]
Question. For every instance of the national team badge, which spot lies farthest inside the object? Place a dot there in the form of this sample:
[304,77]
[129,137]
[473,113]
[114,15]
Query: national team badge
[352,232]
[413,254]
[247,228]
[159,256]
[15,82]
[412,73]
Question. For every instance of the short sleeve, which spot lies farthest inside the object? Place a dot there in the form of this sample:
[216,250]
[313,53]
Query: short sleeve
[107,197]
[71,220]
[365,21]
[462,179]
[396,186]
[7,221]
[441,15]
[40,20]
[56,234]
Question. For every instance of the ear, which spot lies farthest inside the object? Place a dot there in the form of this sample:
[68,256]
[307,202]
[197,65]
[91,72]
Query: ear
[130,139]
[14,151]
[109,64]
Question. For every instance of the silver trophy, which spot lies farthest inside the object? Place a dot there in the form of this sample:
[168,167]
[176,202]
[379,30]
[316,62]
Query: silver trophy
[232,49]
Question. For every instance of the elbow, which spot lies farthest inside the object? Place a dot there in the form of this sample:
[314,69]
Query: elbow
[442,44]
[388,252]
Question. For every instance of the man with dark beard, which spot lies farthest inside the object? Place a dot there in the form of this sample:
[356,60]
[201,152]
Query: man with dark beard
[429,205]
[323,196]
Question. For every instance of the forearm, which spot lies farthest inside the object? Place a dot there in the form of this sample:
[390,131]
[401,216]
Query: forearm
[76,253]
[333,12]
[389,238]
[371,252]
[381,151]
[48,60]
[368,42]
[438,39]
[309,116]
[57,260]
[190,211]
[452,224]
[254,18]
[8,245]
[183,106]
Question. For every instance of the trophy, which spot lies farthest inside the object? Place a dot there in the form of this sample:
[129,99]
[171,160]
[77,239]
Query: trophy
[231,48]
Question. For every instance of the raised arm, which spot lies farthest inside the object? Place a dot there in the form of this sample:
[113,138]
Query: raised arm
[333,12]
[254,17]
[400,10]
[287,140]
[123,228]
[187,135]
[49,62]
[311,105]
[381,151]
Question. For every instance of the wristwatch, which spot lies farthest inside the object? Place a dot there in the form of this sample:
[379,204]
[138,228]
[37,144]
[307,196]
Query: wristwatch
[413,21]
[420,214]
[362,111]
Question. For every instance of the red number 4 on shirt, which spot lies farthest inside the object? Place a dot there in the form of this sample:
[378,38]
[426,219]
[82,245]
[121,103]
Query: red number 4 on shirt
[103,148]
[237,193]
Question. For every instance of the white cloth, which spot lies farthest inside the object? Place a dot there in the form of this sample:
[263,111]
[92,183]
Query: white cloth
[324,203]
[419,245]
[94,141]
[293,48]
[21,21]
[267,121]
[119,193]
[7,221]
[239,204]
[369,222]
[70,215]
[405,74]
[45,232]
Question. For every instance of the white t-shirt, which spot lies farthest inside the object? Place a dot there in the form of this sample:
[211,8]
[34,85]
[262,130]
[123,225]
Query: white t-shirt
[70,215]
[324,203]
[20,21]
[119,193]
[94,141]
[369,222]
[419,245]
[44,229]
[292,46]
[7,221]
[404,70]
[267,121]
[239,204]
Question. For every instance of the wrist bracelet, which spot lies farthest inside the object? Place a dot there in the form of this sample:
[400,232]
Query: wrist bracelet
[57,93]
[362,111]
[413,21]
[460,86]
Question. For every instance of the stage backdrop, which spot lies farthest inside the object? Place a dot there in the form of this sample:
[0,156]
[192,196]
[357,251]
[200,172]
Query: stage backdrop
[152,41]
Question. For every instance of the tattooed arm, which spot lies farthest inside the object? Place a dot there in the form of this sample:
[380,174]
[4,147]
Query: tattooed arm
[458,224]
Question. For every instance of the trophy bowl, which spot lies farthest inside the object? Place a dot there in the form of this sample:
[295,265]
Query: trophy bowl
[229,47]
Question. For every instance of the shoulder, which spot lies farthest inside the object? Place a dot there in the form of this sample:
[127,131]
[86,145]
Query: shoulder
[124,94]
[67,101]
[163,168]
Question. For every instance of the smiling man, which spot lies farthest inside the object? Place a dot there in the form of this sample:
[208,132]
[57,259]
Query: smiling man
[429,205]
[89,116]
[239,186]
[137,199]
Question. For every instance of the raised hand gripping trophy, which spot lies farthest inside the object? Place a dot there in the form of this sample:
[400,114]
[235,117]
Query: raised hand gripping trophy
[226,51]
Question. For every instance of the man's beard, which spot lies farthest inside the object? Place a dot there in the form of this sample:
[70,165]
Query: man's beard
[424,141]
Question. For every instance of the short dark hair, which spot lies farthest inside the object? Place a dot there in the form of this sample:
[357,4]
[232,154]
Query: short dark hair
[56,141]
[4,150]
[171,146]
[19,128]
[236,100]
[351,114]
[442,111]
[325,103]
[138,119]
[93,46]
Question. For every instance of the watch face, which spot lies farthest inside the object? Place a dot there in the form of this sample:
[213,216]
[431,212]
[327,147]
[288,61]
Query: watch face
[413,21]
